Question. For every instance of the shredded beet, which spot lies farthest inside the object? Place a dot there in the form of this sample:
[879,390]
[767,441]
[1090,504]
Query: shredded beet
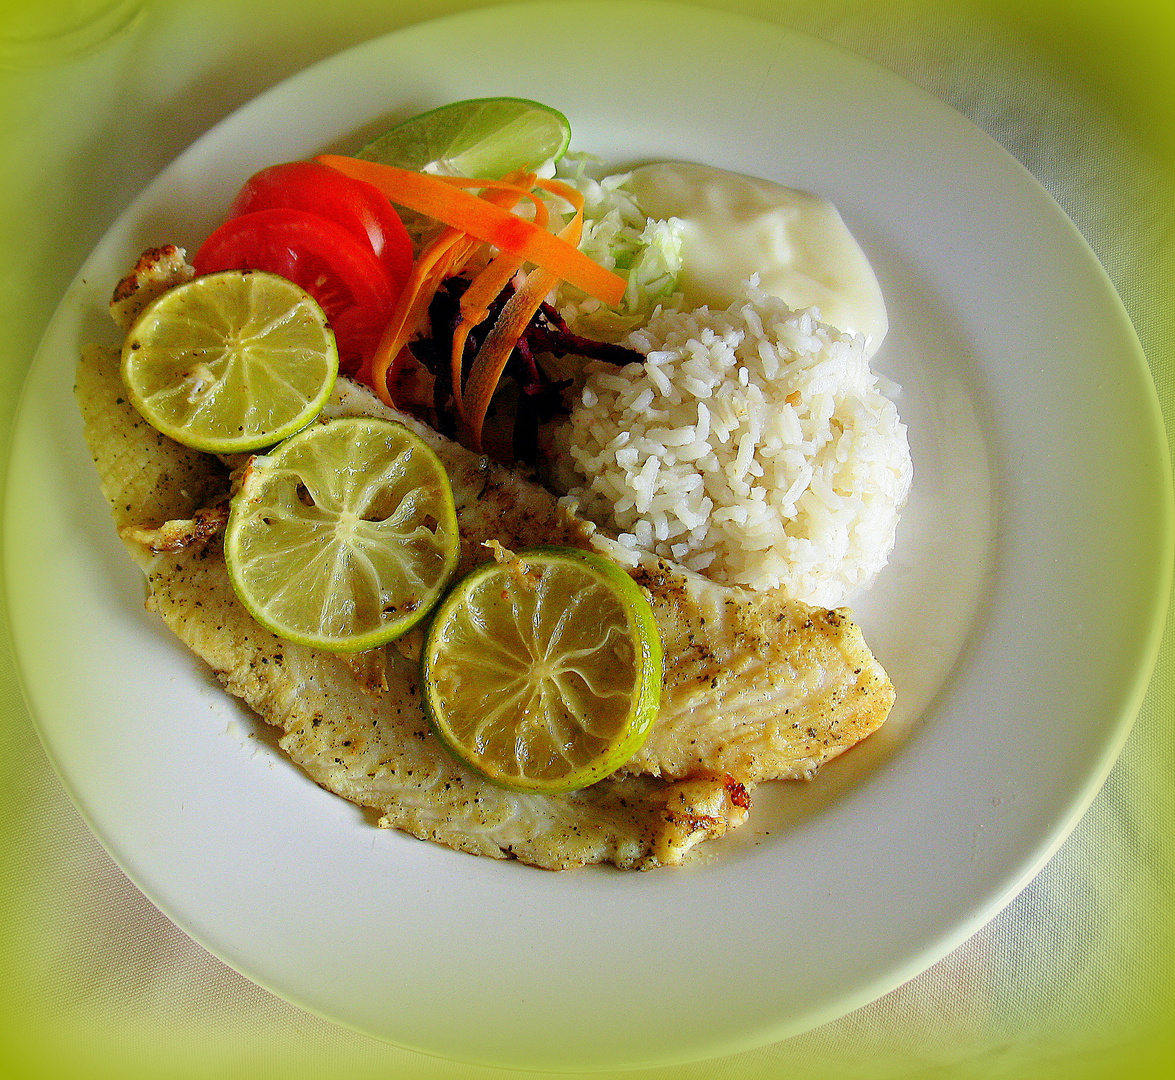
[539,396]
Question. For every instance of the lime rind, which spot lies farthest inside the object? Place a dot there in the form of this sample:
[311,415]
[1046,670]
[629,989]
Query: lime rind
[230,362]
[345,536]
[480,137]
[469,636]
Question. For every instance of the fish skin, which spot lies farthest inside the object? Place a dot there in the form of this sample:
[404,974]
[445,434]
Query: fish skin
[372,747]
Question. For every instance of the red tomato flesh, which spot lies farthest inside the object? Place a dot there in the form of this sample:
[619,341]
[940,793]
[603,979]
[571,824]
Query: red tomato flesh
[342,273]
[358,206]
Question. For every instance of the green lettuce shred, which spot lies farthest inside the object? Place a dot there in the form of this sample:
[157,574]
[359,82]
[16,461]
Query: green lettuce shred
[618,234]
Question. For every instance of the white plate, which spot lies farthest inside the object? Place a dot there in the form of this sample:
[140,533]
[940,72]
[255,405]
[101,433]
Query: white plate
[1019,618]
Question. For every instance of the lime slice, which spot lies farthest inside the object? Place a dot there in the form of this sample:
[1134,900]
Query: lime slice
[344,536]
[484,138]
[230,362]
[543,670]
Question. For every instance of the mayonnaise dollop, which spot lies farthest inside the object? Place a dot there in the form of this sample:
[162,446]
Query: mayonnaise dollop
[735,226]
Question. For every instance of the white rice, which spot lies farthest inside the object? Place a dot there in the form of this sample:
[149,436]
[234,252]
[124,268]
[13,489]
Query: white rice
[753,445]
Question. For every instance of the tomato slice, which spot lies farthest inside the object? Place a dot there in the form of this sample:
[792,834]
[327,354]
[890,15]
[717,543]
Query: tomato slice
[327,260]
[358,206]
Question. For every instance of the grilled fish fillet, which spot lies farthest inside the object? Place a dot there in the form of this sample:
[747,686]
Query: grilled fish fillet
[757,687]
[760,687]
[373,748]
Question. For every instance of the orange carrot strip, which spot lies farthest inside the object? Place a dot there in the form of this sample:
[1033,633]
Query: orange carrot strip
[474,309]
[520,183]
[447,202]
[407,317]
[476,301]
[447,254]
[495,351]
[566,191]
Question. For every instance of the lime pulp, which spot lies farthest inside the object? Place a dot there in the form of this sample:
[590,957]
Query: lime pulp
[230,362]
[542,671]
[344,536]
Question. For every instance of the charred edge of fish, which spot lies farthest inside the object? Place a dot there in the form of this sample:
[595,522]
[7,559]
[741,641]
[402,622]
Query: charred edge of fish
[148,260]
[693,822]
[177,535]
[737,793]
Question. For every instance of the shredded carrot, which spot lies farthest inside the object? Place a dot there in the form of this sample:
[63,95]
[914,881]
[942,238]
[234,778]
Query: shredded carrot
[470,221]
[516,315]
[483,290]
[495,351]
[407,314]
[447,254]
[475,306]
[480,218]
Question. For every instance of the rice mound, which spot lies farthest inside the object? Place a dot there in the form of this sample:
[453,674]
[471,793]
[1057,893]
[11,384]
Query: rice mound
[754,445]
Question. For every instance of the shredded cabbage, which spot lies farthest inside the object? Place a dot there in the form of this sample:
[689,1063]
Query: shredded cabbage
[620,236]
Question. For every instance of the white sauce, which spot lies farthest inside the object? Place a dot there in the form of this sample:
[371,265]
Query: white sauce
[735,226]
